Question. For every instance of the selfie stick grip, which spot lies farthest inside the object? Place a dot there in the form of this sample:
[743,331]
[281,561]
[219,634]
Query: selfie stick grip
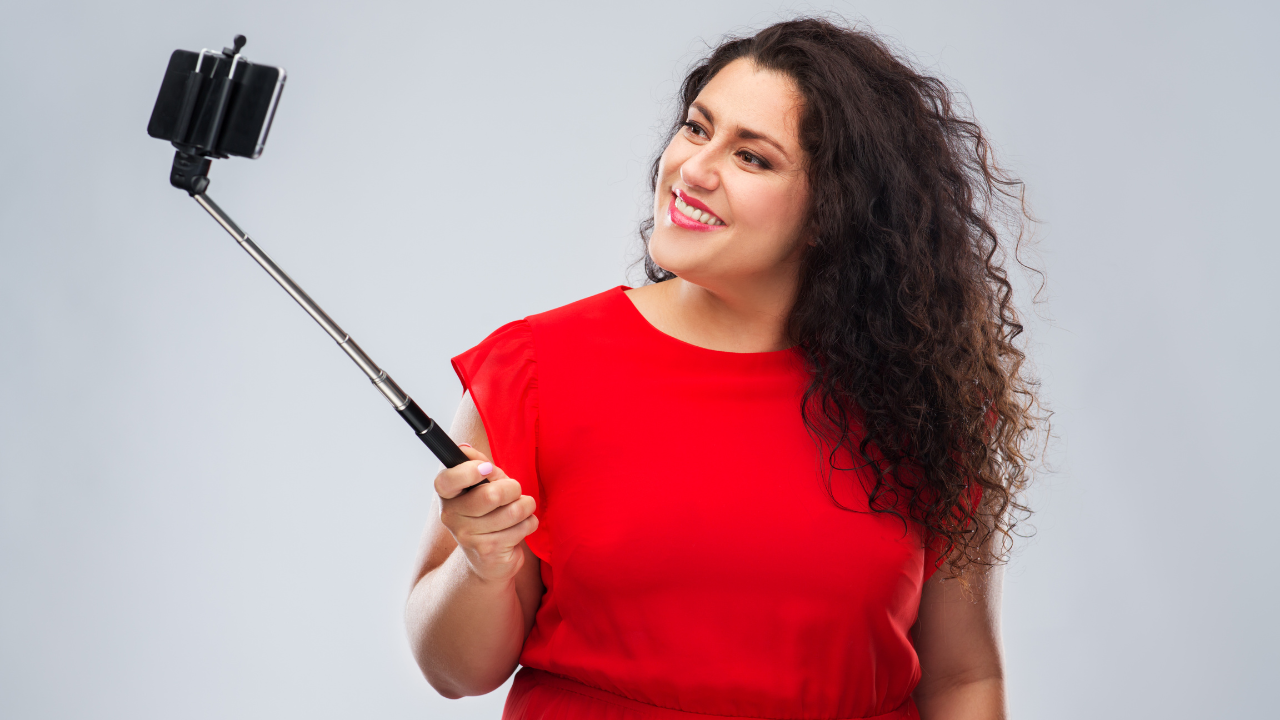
[430,433]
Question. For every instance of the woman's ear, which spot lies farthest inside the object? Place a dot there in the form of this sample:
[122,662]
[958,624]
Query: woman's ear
[811,234]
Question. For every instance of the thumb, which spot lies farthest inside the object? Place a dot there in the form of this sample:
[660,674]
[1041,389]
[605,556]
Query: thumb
[472,453]
[490,473]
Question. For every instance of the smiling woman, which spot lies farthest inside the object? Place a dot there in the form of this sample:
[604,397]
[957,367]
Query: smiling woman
[737,157]
[739,490]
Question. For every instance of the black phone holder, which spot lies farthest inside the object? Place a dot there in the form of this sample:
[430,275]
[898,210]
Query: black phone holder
[215,105]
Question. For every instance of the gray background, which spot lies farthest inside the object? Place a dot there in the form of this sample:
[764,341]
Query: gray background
[206,512]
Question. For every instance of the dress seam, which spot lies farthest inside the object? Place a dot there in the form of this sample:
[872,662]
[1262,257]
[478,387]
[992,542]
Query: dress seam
[537,416]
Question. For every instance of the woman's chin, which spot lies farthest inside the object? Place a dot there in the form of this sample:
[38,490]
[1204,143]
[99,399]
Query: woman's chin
[675,263]
[679,252]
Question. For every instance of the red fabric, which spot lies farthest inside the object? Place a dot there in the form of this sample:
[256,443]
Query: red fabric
[540,695]
[693,559]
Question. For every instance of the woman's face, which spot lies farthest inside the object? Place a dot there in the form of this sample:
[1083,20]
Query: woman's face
[732,197]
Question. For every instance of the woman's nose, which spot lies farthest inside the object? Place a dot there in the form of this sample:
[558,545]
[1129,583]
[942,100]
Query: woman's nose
[700,169]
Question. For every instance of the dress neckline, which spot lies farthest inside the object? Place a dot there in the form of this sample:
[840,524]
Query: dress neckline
[787,356]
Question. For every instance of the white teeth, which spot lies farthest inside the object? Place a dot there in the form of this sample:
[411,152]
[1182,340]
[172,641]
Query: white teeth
[694,213]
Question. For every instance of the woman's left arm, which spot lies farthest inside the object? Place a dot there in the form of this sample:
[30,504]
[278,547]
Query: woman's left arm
[957,638]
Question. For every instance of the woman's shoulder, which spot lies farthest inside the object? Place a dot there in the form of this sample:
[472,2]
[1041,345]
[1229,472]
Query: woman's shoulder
[602,307]
[518,339]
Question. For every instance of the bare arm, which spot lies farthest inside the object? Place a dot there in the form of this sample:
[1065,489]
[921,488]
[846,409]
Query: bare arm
[958,640]
[477,585]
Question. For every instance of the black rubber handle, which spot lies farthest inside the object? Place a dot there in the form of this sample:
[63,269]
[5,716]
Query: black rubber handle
[431,435]
[435,438]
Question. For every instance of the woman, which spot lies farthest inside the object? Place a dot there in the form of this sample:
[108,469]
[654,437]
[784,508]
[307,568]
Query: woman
[740,490]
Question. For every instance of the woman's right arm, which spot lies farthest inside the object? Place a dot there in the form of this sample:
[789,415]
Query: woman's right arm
[477,586]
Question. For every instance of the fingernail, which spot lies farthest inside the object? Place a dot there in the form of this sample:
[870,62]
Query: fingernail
[465,445]
[485,468]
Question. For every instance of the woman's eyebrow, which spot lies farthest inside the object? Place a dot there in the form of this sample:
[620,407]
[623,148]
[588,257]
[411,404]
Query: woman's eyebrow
[744,133]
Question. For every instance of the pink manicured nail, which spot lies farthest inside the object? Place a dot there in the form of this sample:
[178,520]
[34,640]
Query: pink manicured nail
[465,445]
[485,468]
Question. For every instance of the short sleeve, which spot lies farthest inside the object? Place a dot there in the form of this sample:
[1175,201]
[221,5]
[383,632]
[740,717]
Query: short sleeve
[937,546]
[935,550]
[501,374]
[933,556]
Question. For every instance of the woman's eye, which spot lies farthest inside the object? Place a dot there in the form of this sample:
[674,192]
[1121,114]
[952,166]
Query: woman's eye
[694,128]
[753,160]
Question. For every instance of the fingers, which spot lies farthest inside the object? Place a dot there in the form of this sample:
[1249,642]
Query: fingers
[507,515]
[507,539]
[489,508]
[486,498]
[469,508]
[497,556]
[455,481]
[488,520]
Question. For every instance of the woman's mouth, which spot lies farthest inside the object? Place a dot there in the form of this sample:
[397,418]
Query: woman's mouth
[685,215]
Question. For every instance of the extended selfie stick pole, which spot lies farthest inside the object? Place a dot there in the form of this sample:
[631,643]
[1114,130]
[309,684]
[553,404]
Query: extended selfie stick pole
[221,112]
[189,173]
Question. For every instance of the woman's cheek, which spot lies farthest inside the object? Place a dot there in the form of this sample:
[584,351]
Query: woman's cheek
[778,220]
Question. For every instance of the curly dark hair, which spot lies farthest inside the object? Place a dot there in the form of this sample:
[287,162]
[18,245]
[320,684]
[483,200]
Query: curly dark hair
[904,312]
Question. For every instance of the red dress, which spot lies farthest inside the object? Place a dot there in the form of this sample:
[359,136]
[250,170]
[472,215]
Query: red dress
[694,562]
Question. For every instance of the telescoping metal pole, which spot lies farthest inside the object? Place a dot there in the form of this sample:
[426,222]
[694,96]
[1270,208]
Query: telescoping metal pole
[430,433]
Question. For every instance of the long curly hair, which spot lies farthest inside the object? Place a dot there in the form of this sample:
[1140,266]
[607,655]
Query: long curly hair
[904,312]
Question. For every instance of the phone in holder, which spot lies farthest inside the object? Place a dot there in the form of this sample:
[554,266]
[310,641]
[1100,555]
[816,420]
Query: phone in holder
[216,104]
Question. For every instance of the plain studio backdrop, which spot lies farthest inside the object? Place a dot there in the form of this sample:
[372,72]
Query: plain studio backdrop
[207,512]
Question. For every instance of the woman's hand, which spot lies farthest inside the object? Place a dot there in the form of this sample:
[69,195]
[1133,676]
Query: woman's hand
[477,586]
[490,520]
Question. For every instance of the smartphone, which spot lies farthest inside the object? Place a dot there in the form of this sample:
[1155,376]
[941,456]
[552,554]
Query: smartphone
[215,104]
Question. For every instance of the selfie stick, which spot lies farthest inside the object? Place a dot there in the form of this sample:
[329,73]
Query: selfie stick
[190,169]
[428,431]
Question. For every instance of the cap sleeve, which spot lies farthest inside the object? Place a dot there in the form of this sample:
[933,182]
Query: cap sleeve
[501,373]
[935,549]
[933,556]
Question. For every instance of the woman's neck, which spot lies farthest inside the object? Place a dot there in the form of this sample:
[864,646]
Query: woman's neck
[742,322]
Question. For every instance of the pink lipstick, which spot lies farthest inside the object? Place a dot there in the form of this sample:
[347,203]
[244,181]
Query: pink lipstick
[692,214]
